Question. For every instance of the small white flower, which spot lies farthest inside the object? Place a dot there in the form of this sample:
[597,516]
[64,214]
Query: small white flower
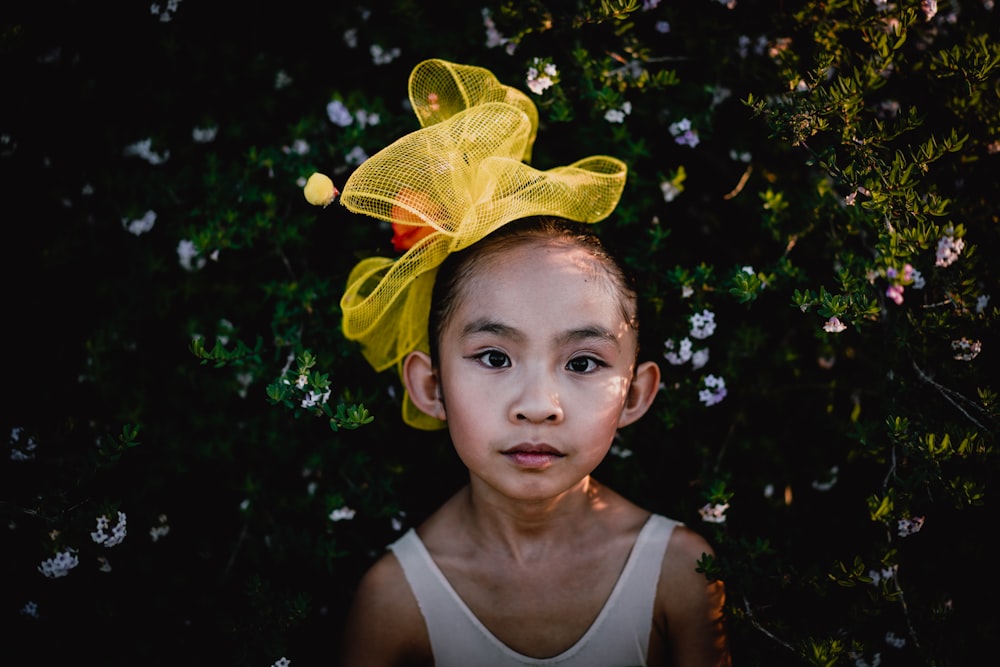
[948,249]
[381,56]
[966,349]
[670,192]
[161,530]
[60,564]
[244,379]
[315,398]
[699,358]
[683,133]
[907,527]
[282,80]
[620,452]
[342,513]
[21,451]
[538,82]
[702,324]
[714,391]
[365,118]
[714,513]
[204,135]
[981,302]
[829,482]
[189,256]
[614,116]
[539,85]
[679,356]
[298,147]
[350,38]
[493,36]
[884,574]
[859,659]
[156,532]
[689,138]
[338,114]
[141,225]
[117,534]
[143,149]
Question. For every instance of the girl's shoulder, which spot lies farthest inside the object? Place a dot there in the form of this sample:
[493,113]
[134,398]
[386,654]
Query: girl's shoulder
[679,575]
[384,624]
[687,544]
[689,614]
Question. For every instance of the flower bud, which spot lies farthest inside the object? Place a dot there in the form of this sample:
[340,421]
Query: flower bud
[319,190]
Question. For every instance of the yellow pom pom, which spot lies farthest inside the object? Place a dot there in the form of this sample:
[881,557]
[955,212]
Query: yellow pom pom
[319,190]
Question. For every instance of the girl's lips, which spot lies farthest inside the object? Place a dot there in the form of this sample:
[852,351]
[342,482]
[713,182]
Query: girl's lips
[532,456]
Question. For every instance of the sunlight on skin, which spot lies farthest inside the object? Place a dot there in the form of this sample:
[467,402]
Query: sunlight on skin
[529,308]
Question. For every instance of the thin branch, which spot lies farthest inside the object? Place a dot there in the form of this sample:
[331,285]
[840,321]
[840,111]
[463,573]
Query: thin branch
[951,396]
[756,624]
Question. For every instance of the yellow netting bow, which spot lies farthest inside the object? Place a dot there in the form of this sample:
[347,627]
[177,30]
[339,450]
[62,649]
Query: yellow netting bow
[458,178]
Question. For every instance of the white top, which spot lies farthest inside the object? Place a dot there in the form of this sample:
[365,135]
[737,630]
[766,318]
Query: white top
[618,637]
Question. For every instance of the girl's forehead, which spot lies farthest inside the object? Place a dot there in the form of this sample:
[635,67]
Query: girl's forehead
[545,272]
[538,259]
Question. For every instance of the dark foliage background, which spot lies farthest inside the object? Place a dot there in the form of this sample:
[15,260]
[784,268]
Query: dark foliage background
[807,170]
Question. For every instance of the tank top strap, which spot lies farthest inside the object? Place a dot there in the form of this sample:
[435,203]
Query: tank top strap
[618,636]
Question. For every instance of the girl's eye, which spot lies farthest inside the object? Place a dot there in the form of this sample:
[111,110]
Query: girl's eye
[583,364]
[494,359]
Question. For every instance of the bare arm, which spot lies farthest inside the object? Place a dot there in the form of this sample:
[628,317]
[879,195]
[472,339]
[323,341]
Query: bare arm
[384,625]
[691,607]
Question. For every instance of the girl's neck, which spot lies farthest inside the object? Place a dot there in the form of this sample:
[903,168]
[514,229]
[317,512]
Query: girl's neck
[521,526]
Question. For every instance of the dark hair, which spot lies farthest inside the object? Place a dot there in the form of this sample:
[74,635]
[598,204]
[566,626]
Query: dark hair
[456,269]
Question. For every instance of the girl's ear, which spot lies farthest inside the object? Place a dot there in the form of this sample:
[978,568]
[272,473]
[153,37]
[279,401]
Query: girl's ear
[641,393]
[423,384]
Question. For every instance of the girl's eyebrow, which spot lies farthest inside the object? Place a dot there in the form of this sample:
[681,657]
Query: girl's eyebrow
[488,326]
[484,325]
[588,333]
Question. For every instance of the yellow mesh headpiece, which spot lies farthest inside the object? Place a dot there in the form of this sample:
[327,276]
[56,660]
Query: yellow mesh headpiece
[455,180]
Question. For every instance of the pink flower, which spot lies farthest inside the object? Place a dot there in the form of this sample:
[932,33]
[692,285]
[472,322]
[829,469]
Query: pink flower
[834,325]
[895,292]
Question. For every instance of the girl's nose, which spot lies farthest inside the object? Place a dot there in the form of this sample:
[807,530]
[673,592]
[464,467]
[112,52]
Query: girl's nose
[538,401]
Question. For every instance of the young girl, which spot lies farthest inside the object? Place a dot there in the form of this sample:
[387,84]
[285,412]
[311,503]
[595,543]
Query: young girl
[512,326]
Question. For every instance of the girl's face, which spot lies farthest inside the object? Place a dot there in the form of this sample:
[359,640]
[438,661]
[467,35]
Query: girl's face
[535,366]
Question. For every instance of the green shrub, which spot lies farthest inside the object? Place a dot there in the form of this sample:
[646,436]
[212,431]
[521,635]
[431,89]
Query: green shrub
[812,191]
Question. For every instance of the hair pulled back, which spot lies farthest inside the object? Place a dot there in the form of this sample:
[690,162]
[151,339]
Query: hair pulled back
[458,267]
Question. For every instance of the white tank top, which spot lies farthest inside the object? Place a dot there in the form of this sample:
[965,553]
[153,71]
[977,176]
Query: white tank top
[619,636]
